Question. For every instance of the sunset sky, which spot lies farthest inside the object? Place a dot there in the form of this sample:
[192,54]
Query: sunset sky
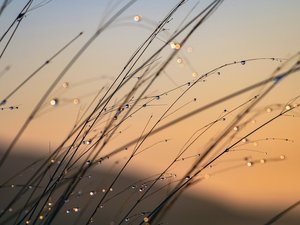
[236,31]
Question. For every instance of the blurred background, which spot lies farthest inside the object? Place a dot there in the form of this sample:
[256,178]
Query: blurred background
[258,35]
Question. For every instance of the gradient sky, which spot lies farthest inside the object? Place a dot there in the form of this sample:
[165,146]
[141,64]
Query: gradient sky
[238,30]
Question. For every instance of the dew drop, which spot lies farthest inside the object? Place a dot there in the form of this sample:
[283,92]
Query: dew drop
[76,101]
[76,209]
[146,219]
[54,102]
[179,60]
[244,140]
[41,217]
[277,79]
[68,211]
[103,190]
[3,102]
[65,85]
[287,107]
[249,164]
[157,97]
[127,219]
[243,62]
[269,110]
[177,46]
[236,128]
[137,18]
[282,157]
[20,16]
[194,74]
[172,44]
[27,222]
[262,161]
[92,193]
